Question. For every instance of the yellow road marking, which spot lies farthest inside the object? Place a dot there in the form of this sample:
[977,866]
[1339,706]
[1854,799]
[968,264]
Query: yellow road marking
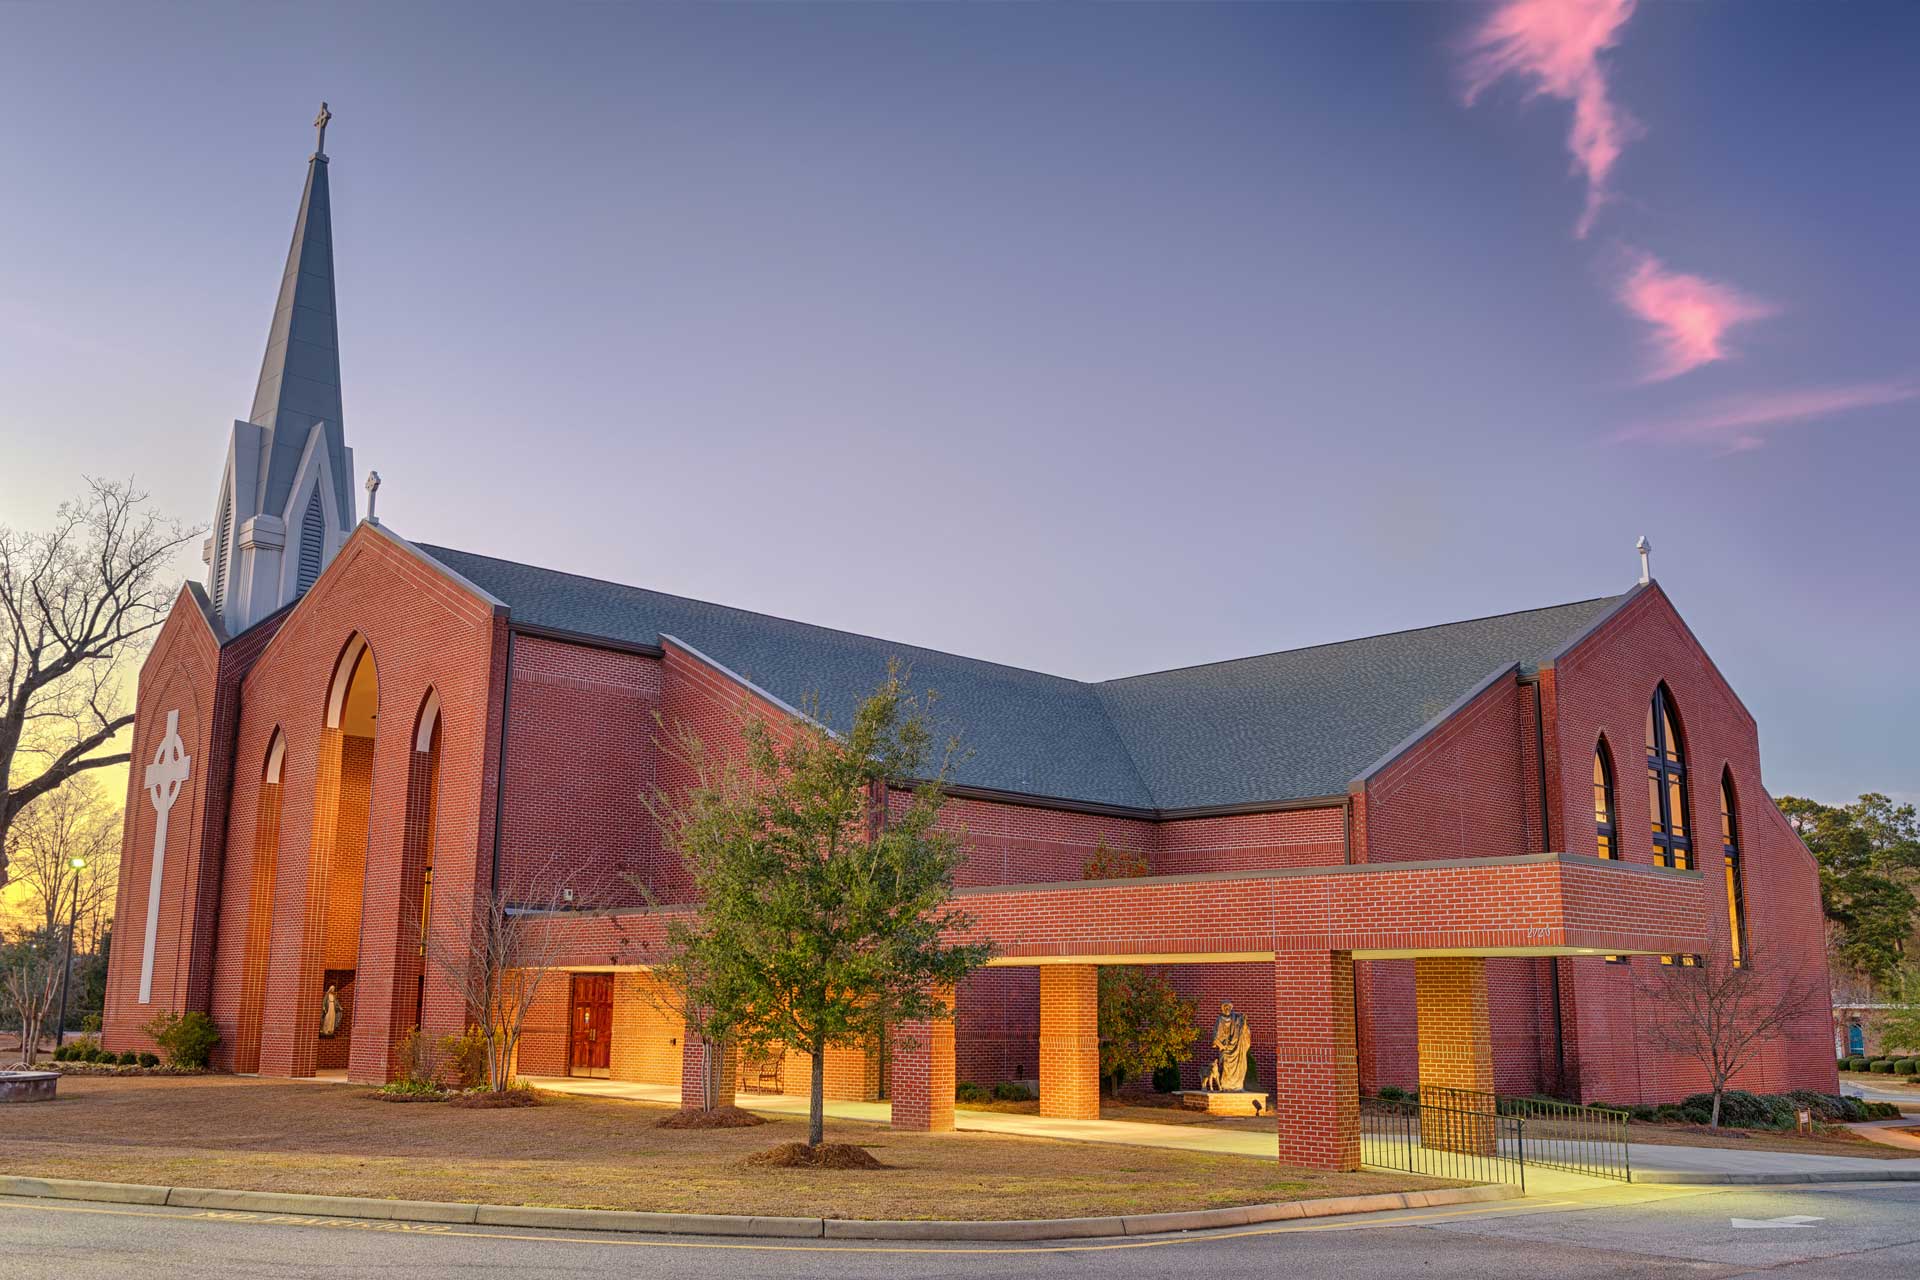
[444,1231]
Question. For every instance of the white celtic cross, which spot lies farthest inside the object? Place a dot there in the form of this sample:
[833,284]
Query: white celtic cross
[164,778]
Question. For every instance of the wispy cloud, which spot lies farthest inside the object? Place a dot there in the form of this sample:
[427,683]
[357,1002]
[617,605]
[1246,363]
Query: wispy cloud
[1740,423]
[1690,315]
[1554,46]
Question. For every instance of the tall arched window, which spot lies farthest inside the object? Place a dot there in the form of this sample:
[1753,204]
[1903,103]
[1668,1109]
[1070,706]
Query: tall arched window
[1606,842]
[1730,858]
[1667,784]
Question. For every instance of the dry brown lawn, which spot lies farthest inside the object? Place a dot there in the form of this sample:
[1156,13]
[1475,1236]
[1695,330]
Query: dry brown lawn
[230,1132]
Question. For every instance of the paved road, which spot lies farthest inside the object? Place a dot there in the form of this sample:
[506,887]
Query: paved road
[1863,1232]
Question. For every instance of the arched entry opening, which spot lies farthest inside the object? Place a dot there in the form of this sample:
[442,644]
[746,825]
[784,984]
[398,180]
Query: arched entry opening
[342,807]
[266,850]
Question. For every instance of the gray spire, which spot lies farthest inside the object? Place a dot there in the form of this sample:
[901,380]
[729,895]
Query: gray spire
[300,376]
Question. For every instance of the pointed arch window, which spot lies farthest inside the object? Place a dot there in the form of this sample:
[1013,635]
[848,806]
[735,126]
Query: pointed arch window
[1667,784]
[1606,838]
[1730,861]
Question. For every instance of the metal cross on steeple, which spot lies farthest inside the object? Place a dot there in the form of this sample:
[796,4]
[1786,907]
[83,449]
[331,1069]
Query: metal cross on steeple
[320,123]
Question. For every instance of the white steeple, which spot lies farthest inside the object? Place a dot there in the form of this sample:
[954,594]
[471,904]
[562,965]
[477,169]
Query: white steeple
[286,498]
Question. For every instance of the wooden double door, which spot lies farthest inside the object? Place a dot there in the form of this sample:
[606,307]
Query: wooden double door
[590,1027]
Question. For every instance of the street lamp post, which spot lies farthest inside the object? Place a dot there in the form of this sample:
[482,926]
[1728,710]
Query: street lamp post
[66,970]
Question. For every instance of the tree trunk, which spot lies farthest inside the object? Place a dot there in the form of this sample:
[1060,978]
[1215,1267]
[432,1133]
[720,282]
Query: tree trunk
[817,1105]
[1717,1090]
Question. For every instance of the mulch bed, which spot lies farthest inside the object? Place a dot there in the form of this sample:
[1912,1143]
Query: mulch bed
[487,1100]
[828,1155]
[711,1118]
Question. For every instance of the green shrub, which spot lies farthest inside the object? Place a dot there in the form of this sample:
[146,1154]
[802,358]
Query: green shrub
[1743,1110]
[1012,1091]
[467,1057]
[1167,1079]
[128,1058]
[1883,1110]
[1856,1064]
[149,1060]
[1841,1063]
[1881,1067]
[1392,1093]
[1907,1067]
[186,1038]
[968,1091]
[1829,1108]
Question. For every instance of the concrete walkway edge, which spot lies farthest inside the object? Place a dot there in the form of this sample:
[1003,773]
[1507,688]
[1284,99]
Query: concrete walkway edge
[704,1224]
[1781,1178]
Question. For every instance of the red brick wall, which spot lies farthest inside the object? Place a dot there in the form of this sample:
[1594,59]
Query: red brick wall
[1605,685]
[1461,792]
[581,751]
[997,1026]
[180,674]
[1252,842]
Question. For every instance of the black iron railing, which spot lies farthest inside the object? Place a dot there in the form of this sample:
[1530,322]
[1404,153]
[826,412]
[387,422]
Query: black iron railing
[1467,1144]
[1559,1135]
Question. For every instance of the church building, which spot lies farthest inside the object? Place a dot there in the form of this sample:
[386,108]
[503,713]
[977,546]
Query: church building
[1457,855]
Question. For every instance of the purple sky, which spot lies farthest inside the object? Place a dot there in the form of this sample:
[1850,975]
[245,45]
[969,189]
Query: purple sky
[1118,338]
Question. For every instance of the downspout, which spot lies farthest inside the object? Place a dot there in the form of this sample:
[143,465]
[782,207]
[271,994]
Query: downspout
[500,779]
[1546,845]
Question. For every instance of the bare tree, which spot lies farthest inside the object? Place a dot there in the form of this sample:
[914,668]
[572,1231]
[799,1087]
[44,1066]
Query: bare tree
[78,603]
[30,963]
[73,821]
[1721,1014]
[498,962]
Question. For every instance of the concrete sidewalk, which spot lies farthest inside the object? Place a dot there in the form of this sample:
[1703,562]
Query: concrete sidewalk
[1126,1133]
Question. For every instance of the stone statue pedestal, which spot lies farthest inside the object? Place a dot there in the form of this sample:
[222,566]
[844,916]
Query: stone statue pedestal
[1238,1102]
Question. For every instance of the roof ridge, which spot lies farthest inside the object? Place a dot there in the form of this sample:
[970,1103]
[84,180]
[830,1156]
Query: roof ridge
[1334,644]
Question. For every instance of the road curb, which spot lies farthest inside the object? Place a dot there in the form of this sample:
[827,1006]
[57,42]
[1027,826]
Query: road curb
[1691,1178]
[713,1224]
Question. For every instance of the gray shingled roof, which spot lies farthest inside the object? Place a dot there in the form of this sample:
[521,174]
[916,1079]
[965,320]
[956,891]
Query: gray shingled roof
[1282,726]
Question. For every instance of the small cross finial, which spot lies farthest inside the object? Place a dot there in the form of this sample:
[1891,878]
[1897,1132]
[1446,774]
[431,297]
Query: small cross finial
[373,495]
[1646,557]
[320,123]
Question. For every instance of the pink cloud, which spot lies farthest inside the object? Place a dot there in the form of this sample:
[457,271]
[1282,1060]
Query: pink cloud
[1555,47]
[1690,315]
[1740,423]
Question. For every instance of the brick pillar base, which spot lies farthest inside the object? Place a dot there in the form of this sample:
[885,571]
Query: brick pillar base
[1316,1087]
[921,1074]
[695,1053]
[1070,1041]
[1456,1054]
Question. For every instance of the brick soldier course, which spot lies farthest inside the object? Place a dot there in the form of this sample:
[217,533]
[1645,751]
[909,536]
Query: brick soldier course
[1383,852]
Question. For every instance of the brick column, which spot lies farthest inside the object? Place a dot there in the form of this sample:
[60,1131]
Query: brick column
[920,1077]
[1456,1052]
[1070,1041]
[693,1072]
[1316,1087]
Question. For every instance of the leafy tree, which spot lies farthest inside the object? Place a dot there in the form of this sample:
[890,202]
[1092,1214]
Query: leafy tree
[1869,856]
[1144,1024]
[1113,864]
[1899,1025]
[78,603]
[824,916]
[1720,1014]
